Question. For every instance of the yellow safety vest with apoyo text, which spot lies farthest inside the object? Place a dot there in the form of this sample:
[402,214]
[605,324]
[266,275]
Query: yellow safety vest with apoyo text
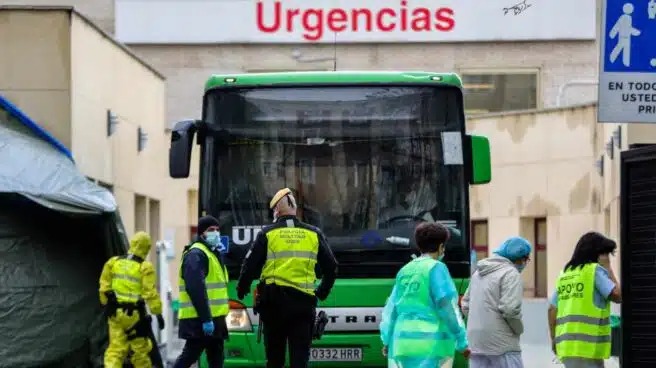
[216,283]
[582,329]
[418,332]
[126,280]
[291,257]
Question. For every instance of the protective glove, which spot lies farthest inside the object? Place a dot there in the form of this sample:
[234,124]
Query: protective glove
[208,328]
[160,321]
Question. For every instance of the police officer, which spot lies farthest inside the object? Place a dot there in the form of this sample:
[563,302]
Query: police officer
[126,284]
[203,298]
[283,257]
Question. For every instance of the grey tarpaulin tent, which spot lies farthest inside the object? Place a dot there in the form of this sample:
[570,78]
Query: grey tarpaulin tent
[57,228]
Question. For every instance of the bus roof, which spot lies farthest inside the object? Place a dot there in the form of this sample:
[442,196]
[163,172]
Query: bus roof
[326,77]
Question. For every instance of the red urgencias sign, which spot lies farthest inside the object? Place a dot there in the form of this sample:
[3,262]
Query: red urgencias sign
[314,22]
[352,21]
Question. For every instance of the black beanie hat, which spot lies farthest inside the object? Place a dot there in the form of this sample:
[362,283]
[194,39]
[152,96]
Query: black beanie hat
[205,222]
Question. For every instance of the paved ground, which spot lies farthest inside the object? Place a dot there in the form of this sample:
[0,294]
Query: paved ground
[536,344]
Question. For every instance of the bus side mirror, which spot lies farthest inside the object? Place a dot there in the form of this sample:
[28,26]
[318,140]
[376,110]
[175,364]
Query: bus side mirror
[182,138]
[480,162]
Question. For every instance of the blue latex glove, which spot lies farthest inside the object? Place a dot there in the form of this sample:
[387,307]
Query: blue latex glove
[208,328]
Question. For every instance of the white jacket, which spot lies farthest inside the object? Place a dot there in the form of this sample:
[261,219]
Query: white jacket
[493,305]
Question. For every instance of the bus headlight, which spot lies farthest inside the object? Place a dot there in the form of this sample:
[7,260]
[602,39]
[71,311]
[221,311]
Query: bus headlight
[238,319]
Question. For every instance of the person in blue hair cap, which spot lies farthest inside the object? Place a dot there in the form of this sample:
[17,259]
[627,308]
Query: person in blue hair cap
[493,303]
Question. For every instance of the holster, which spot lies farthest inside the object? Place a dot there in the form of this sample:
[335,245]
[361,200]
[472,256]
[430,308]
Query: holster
[262,298]
[143,327]
[320,322]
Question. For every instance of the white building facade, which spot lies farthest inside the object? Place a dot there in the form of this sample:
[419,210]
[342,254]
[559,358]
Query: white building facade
[511,56]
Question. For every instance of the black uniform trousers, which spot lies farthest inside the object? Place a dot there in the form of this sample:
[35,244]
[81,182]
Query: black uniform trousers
[288,317]
[193,349]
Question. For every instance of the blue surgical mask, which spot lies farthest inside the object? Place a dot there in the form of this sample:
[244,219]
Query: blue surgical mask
[520,267]
[440,258]
[213,239]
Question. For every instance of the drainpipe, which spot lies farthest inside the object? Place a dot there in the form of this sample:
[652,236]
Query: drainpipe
[576,82]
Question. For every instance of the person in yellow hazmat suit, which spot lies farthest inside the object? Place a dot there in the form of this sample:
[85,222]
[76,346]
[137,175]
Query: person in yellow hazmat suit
[127,284]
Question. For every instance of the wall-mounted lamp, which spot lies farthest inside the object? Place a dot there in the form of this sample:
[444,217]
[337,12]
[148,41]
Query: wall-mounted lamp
[599,164]
[617,137]
[142,138]
[112,122]
[610,149]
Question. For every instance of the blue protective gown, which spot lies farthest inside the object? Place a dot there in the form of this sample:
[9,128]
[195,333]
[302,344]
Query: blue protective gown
[445,301]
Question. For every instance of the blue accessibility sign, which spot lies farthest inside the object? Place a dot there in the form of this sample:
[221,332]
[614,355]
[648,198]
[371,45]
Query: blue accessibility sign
[224,247]
[627,78]
[371,238]
[630,33]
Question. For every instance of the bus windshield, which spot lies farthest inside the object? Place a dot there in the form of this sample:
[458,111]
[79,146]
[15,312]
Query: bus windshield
[366,165]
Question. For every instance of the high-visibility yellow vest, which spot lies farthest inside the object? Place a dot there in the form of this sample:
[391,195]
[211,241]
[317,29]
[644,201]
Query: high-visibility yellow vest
[418,332]
[291,258]
[126,280]
[582,329]
[216,283]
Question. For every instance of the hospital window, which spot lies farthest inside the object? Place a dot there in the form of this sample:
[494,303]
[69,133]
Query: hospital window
[496,91]
[479,238]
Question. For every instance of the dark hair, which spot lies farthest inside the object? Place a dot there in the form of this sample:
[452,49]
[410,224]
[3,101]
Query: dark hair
[430,235]
[588,249]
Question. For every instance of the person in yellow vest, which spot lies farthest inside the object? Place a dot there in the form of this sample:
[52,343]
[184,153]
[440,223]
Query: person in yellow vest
[579,314]
[127,284]
[283,257]
[422,325]
[203,280]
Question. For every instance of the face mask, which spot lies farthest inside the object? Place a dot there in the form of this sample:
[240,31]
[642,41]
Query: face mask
[213,238]
[520,267]
[441,258]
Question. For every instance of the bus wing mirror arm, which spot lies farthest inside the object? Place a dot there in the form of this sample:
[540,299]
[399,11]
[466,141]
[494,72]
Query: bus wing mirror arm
[182,138]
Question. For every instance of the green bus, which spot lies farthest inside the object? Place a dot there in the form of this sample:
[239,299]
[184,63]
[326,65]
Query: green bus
[368,155]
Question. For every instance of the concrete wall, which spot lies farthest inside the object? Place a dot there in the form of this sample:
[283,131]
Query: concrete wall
[35,70]
[65,73]
[105,77]
[188,67]
[100,12]
[543,167]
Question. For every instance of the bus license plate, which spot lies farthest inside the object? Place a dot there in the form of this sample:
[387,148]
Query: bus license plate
[335,355]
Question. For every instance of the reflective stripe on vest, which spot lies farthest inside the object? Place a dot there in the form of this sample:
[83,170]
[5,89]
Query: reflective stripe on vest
[418,331]
[126,280]
[582,329]
[291,257]
[216,284]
